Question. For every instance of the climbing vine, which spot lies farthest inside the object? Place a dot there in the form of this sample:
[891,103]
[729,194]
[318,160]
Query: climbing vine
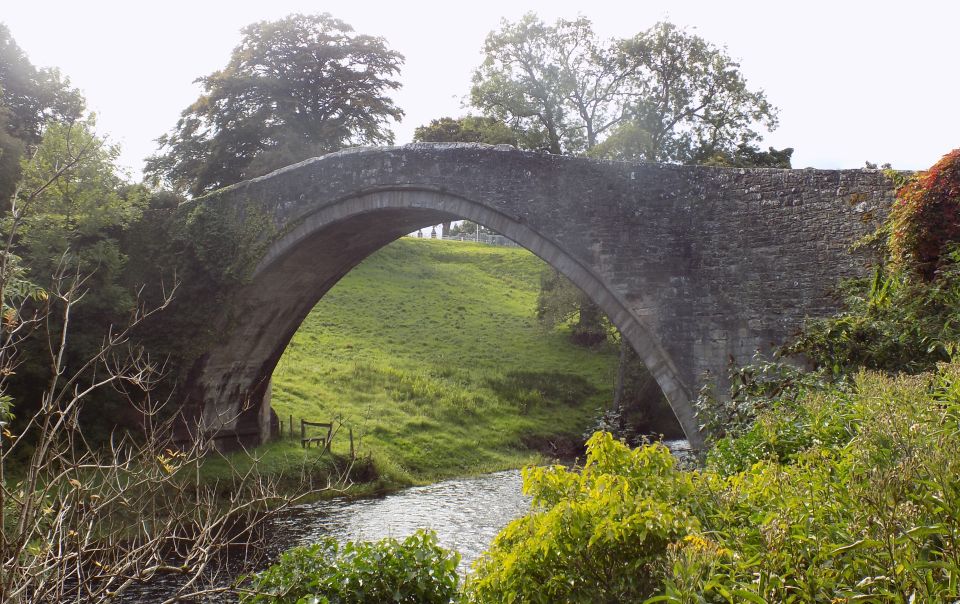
[925,220]
[210,247]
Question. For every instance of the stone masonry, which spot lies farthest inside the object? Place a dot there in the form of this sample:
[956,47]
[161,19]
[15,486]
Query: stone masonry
[696,266]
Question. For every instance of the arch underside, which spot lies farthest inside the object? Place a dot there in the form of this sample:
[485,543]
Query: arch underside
[324,245]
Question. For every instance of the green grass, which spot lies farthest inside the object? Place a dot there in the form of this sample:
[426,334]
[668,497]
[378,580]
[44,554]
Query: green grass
[432,352]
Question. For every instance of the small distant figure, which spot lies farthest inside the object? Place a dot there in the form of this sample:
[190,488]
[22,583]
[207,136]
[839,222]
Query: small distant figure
[433,233]
[420,234]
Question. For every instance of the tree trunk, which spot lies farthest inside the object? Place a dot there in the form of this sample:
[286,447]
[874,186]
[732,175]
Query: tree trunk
[589,329]
[445,230]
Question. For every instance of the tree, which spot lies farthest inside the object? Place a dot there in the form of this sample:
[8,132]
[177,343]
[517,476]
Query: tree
[750,156]
[82,519]
[558,84]
[467,129]
[560,301]
[664,95]
[29,99]
[69,219]
[688,100]
[302,86]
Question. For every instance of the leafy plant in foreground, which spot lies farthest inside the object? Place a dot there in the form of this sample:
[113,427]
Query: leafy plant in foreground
[415,570]
[594,534]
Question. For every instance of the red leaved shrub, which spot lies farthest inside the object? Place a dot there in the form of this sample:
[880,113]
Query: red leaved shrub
[925,220]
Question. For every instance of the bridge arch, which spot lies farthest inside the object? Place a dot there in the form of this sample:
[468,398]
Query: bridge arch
[695,266]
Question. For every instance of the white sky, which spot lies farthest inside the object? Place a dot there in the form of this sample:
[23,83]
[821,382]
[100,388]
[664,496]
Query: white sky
[854,81]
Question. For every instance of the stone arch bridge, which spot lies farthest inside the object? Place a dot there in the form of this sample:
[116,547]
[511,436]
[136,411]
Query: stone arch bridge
[696,266]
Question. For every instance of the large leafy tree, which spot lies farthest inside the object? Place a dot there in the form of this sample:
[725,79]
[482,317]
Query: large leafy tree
[67,222]
[664,95]
[295,88]
[557,84]
[30,98]
[688,100]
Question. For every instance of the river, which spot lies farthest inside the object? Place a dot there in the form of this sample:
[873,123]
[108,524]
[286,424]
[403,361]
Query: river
[465,513]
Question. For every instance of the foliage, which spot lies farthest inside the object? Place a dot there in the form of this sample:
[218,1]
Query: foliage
[77,218]
[612,421]
[79,520]
[415,570]
[754,388]
[560,302]
[66,222]
[594,534]
[29,99]
[33,97]
[689,100]
[925,220]
[750,156]
[557,85]
[467,129]
[302,86]
[664,95]
[863,507]
[892,322]
[468,227]
[840,494]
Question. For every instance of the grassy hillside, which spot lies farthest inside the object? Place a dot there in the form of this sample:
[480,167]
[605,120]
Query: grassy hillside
[431,350]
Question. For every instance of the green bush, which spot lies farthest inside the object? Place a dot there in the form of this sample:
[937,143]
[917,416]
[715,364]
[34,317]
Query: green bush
[864,508]
[415,570]
[846,493]
[754,388]
[595,534]
[893,322]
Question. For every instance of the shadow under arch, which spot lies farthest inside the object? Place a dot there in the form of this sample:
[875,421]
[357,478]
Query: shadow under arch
[325,243]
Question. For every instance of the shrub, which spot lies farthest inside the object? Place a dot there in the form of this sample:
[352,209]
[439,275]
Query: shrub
[415,570]
[843,494]
[893,322]
[866,508]
[754,388]
[925,219]
[595,534]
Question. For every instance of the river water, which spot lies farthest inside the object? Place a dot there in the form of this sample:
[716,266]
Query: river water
[465,513]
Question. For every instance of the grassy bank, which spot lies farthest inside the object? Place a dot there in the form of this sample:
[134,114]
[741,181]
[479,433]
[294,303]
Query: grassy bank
[432,352]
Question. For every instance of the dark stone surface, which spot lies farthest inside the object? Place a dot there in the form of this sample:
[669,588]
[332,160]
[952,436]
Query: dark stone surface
[696,266]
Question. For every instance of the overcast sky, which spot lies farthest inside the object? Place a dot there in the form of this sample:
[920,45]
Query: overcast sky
[854,81]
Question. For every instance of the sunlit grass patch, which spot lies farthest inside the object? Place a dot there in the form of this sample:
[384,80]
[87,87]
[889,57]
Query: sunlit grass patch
[431,350]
